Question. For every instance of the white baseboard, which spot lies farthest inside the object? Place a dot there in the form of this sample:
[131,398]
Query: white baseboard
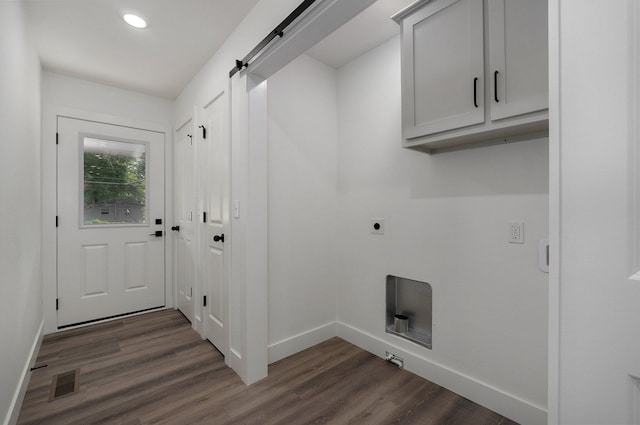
[506,404]
[281,349]
[21,390]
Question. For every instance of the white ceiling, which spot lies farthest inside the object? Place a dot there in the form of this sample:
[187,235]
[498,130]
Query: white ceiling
[88,38]
[369,29]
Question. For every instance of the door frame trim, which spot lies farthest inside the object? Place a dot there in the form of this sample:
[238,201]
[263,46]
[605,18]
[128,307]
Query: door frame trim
[49,158]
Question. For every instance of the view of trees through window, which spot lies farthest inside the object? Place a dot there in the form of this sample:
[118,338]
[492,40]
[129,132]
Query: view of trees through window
[114,184]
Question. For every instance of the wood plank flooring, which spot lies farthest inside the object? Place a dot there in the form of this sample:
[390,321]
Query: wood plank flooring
[154,369]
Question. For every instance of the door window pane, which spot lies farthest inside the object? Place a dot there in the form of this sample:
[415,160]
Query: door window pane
[115,182]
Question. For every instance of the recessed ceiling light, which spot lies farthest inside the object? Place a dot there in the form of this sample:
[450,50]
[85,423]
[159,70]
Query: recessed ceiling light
[134,20]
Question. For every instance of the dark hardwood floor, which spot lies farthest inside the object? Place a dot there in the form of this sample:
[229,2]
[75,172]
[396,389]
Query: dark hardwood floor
[154,369]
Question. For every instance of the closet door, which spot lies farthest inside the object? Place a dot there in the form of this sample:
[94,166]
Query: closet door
[216,192]
[185,246]
[443,67]
[518,57]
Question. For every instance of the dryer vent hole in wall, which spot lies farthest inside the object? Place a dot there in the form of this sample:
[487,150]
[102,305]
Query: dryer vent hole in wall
[377,226]
[64,384]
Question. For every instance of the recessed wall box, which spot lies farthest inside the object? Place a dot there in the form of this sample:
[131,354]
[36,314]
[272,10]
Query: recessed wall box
[409,310]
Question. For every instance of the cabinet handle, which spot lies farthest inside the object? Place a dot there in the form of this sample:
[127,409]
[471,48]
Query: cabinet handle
[475,92]
[495,86]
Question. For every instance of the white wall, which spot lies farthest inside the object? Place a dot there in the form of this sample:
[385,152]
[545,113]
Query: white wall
[596,151]
[99,98]
[303,133]
[88,100]
[445,223]
[20,212]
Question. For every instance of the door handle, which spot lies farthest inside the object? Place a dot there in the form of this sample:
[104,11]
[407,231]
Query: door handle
[157,234]
[475,92]
[495,86]
[219,238]
[175,228]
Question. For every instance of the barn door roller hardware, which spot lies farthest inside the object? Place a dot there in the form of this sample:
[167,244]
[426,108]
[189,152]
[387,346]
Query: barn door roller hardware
[277,32]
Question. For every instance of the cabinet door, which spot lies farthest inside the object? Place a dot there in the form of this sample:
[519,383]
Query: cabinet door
[442,66]
[518,58]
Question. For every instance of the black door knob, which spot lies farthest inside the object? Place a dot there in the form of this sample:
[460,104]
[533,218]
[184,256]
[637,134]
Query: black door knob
[175,228]
[219,238]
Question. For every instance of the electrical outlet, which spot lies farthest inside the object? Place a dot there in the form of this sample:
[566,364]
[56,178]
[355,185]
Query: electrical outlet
[516,232]
[377,226]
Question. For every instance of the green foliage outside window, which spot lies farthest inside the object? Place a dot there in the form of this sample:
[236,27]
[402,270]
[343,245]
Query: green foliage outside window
[113,178]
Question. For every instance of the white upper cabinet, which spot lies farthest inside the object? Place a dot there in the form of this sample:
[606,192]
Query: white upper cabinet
[518,59]
[473,71]
[443,74]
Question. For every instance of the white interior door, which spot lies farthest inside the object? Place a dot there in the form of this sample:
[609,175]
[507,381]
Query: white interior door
[216,173]
[184,242]
[111,220]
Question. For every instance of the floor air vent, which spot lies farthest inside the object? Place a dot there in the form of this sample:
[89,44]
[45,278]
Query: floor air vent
[64,384]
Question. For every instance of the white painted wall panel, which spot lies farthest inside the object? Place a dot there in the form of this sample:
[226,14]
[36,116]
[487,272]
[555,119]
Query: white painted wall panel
[20,204]
[89,96]
[303,126]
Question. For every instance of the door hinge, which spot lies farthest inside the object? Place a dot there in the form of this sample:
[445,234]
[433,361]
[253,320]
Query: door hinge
[57,138]
[204,217]
[57,304]
[57,221]
[204,302]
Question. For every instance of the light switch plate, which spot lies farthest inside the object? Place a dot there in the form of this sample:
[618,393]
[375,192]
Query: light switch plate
[236,208]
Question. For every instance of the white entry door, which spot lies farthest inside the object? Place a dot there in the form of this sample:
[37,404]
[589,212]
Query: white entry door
[185,240]
[215,140]
[111,220]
